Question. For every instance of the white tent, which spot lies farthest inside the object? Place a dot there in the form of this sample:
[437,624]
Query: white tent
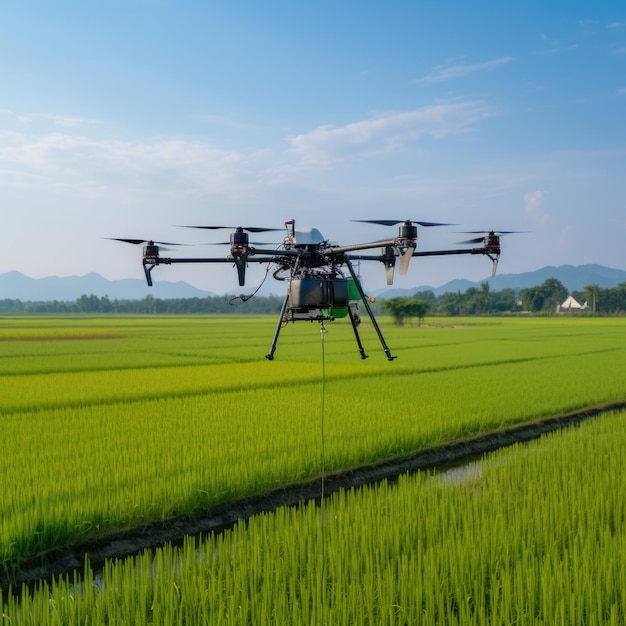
[571,304]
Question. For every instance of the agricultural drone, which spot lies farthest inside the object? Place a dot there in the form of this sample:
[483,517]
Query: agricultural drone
[322,283]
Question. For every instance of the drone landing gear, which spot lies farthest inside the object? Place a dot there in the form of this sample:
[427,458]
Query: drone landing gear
[357,283]
[301,315]
[355,320]
[270,355]
[148,266]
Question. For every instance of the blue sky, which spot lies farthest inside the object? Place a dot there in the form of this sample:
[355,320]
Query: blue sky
[125,118]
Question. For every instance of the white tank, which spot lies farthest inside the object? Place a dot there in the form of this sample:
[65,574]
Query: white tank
[308,237]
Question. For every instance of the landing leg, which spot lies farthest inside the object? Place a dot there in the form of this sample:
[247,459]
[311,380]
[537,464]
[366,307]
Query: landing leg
[354,320]
[270,355]
[148,266]
[357,282]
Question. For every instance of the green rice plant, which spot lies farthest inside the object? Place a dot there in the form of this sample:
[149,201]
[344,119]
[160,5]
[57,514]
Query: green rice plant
[536,535]
[184,413]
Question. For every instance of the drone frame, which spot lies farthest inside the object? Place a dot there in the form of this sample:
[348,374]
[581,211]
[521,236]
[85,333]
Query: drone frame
[315,259]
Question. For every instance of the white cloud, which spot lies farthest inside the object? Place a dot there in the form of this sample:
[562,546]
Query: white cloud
[62,161]
[443,73]
[621,91]
[11,115]
[65,121]
[619,51]
[533,206]
[387,131]
[76,163]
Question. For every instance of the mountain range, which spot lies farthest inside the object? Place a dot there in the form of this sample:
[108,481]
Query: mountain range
[17,286]
[574,277]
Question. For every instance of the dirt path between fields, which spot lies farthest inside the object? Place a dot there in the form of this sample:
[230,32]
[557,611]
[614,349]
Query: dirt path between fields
[226,515]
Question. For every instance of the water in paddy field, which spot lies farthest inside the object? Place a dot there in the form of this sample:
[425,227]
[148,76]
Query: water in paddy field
[458,474]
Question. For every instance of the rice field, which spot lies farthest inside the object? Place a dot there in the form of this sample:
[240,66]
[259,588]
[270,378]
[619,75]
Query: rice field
[536,535]
[110,423]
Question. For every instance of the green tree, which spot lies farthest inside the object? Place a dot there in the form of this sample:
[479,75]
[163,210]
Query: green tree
[401,308]
[545,297]
[451,303]
[483,298]
[591,293]
[427,295]
[504,300]
[554,293]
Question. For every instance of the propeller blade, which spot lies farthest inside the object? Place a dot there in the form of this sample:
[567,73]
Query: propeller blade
[134,241]
[477,240]
[433,224]
[380,222]
[396,222]
[485,233]
[250,229]
[140,241]
[491,230]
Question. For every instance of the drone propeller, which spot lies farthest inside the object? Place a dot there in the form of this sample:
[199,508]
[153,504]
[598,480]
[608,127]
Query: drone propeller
[239,244]
[406,240]
[147,241]
[396,222]
[486,233]
[139,241]
[490,241]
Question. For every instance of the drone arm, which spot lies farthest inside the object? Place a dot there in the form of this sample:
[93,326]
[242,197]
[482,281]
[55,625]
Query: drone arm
[490,251]
[493,252]
[273,253]
[173,261]
[149,263]
[333,250]
[448,252]
[384,257]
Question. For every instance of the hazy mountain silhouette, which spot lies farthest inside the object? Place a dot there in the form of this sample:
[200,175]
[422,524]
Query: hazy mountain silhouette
[16,286]
[575,278]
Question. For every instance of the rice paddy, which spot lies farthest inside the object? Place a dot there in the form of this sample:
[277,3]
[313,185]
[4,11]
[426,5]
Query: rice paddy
[114,422]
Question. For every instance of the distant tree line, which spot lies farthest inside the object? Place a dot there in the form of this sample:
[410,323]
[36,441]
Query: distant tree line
[149,304]
[542,299]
